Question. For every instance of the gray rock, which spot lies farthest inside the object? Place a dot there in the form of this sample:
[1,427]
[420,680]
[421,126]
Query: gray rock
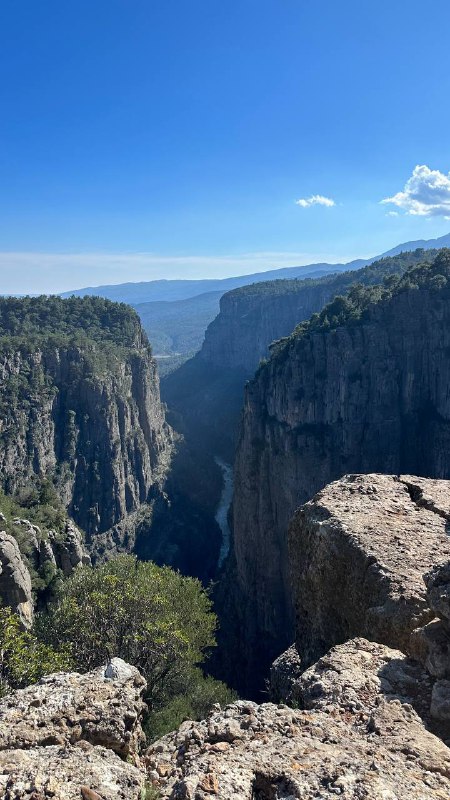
[283,673]
[438,590]
[354,675]
[74,737]
[68,548]
[359,551]
[440,701]
[360,739]
[80,772]
[431,646]
[15,581]
[119,670]
[65,708]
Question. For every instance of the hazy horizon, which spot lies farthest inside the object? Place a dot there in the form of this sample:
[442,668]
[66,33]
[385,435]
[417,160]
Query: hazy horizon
[171,140]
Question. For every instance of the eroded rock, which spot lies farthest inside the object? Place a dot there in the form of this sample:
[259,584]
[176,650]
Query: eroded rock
[62,773]
[65,708]
[15,581]
[359,550]
[72,736]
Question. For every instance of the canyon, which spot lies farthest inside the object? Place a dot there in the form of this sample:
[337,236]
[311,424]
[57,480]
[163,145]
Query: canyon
[368,394]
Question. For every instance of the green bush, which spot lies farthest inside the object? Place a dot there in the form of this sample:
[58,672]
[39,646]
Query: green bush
[195,698]
[23,659]
[150,616]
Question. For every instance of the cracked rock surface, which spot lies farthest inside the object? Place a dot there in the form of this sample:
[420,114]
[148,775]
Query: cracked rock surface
[71,731]
[361,738]
[358,552]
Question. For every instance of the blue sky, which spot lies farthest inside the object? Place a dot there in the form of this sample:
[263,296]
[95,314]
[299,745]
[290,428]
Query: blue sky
[165,138]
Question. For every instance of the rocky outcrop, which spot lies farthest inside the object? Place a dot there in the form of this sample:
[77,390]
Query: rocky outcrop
[74,736]
[365,396]
[353,676]
[358,553]
[62,549]
[68,549]
[99,431]
[360,737]
[15,580]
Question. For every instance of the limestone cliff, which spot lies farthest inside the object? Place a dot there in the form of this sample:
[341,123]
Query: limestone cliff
[207,391]
[80,404]
[364,387]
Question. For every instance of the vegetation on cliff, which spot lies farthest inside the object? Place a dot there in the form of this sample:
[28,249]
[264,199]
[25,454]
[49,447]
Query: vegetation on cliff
[372,274]
[37,321]
[23,658]
[358,304]
[153,618]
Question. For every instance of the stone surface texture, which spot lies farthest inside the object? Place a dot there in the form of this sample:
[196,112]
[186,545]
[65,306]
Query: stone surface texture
[358,554]
[72,732]
[15,581]
[360,738]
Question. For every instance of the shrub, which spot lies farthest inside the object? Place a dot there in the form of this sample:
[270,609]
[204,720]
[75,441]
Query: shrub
[154,618]
[23,659]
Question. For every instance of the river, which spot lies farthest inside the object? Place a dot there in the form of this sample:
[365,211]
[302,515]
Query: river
[222,510]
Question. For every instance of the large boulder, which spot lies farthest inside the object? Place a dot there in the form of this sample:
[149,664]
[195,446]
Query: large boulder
[68,548]
[359,738]
[80,772]
[359,550]
[15,581]
[74,736]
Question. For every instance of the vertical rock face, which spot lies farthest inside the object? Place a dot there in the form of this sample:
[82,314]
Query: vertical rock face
[365,396]
[208,390]
[87,417]
[15,581]
[358,554]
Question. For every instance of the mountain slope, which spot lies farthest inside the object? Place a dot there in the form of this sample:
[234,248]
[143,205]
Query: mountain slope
[207,391]
[150,291]
[363,387]
[80,405]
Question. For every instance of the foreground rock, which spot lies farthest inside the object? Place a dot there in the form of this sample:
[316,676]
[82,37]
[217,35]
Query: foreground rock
[359,551]
[69,734]
[361,739]
[83,772]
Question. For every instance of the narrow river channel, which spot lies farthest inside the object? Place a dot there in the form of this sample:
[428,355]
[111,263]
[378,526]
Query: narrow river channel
[222,510]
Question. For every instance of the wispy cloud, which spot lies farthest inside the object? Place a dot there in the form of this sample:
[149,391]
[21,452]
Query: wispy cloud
[425,194]
[315,200]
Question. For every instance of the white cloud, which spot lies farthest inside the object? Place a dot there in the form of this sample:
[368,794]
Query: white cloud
[426,194]
[392,214]
[315,200]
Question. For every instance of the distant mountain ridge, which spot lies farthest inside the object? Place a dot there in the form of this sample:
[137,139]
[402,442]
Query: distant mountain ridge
[171,290]
[176,313]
